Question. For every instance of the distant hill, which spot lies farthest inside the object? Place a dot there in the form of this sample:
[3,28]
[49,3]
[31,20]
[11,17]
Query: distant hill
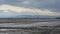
[33,16]
[57,17]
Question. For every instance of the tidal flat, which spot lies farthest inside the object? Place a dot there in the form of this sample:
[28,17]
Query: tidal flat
[29,26]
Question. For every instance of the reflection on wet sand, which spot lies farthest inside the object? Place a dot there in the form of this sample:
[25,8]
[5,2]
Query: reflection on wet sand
[30,26]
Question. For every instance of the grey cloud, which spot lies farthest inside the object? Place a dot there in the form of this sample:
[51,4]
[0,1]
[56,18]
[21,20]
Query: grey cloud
[1,2]
[41,4]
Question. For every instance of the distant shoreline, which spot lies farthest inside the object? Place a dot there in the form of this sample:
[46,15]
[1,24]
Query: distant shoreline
[29,18]
[15,20]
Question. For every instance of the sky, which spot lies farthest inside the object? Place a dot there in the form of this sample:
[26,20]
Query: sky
[10,8]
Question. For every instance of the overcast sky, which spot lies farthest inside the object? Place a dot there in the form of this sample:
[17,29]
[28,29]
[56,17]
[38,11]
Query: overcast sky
[38,7]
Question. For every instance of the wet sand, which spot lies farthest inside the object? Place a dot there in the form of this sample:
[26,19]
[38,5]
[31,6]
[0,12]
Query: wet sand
[28,26]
